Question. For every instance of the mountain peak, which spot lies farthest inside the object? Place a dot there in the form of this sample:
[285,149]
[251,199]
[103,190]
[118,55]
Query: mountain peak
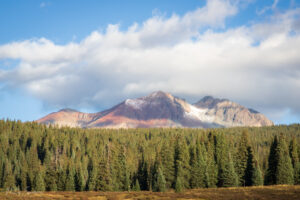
[161,109]
[67,110]
[208,102]
[159,94]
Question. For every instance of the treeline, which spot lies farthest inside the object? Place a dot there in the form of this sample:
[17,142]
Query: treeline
[34,157]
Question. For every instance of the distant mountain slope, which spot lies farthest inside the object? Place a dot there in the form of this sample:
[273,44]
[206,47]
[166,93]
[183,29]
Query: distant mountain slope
[160,109]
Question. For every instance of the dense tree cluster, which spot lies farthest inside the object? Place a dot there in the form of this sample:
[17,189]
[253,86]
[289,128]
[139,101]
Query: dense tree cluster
[35,157]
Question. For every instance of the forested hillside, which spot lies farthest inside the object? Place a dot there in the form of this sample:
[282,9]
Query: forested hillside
[35,157]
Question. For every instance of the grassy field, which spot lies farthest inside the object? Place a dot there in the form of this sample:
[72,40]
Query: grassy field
[267,192]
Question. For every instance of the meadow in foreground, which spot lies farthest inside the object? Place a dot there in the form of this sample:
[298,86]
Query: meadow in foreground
[279,192]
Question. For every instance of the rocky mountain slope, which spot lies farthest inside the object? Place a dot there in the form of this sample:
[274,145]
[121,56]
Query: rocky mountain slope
[160,109]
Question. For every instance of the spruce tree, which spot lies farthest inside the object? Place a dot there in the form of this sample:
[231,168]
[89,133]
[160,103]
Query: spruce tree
[280,169]
[79,180]
[61,183]
[229,177]
[182,166]
[242,158]
[257,178]
[70,182]
[248,177]
[38,184]
[9,182]
[295,160]
[270,178]
[136,186]
[211,174]
[103,182]
[160,181]
[198,167]
[143,175]
[178,185]
[285,171]
[92,178]
[167,160]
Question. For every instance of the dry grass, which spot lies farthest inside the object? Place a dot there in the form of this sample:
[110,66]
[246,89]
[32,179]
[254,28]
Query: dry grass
[282,192]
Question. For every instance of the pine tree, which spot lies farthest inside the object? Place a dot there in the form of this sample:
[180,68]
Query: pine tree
[295,160]
[257,178]
[242,158]
[280,170]
[103,182]
[182,166]
[229,177]
[167,160]
[136,186]
[178,185]
[160,181]
[248,177]
[211,174]
[79,180]
[270,178]
[91,183]
[198,167]
[9,182]
[285,171]
[61,183]
[38,184]
[70,183]
[143,174]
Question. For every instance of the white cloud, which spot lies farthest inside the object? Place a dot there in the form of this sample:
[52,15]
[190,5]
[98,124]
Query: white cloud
[267,8]
[257,66]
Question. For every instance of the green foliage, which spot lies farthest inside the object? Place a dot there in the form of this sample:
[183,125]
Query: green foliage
[257,178]
[70,183]
[35,157]
[39,184]
[242,160]
[160,181]
[280,169]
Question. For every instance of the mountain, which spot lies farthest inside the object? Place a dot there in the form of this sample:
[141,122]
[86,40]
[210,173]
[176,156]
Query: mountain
[160,109]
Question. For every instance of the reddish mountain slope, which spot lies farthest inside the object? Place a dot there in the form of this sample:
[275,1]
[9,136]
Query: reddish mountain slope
[161,109]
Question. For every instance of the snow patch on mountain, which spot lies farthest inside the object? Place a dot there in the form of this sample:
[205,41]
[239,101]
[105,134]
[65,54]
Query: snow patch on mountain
[135,103]
[198,113]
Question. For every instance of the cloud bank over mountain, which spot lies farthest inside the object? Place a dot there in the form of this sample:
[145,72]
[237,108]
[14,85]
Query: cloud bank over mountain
[194,55]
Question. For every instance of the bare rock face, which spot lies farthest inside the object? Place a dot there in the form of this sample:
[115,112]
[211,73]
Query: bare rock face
[228,113]
[160,109]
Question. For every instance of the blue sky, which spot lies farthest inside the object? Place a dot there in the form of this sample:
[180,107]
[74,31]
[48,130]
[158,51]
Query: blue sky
[90,55]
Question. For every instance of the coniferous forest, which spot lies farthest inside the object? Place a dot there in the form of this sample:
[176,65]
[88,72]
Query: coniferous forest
[35,157]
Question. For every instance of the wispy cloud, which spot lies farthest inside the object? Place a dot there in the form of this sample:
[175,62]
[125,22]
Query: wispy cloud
[179,54]
[267,8]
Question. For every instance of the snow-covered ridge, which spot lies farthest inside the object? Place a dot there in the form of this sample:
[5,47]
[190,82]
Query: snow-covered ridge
[199,114]
[135,103]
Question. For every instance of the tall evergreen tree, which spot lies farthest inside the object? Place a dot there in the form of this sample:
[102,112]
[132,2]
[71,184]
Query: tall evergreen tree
[92,179]
[104,182]
[143,174]
[198,167]
[79,180]
[9,182]
[61,183]
[285,171]
[295,160]
[257,178]
[38,184]
[159,180]
[242,159]
[280,169]
[182,166]
[211,174]
[167,160]
[70,182]
[229,177]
